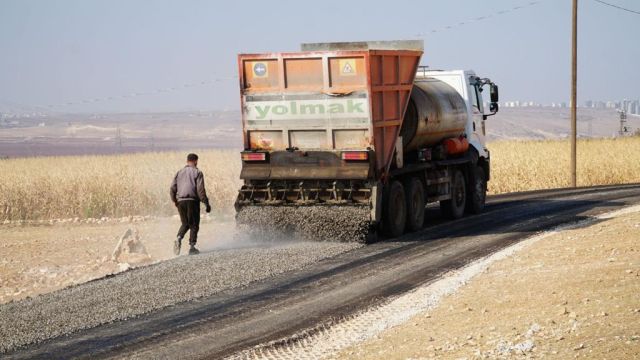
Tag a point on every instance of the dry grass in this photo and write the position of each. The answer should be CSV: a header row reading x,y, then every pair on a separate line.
x,y
532,165
138,184
112,186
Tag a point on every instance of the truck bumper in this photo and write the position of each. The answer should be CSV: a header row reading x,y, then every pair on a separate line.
x,y
307,165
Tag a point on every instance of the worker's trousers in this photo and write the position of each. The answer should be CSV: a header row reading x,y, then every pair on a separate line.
x,y
189,211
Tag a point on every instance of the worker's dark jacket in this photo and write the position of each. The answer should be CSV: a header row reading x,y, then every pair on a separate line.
x,y
188,184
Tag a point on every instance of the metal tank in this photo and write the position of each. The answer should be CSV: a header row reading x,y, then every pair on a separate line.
x,y
436,111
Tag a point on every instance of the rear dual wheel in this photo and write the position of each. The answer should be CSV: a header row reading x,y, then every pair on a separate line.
x,y
415,204
395,210
403,207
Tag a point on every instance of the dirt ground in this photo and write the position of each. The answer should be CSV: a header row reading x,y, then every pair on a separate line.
x,y
575,294
37,259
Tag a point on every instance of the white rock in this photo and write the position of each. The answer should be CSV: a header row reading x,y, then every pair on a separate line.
x,y
525,346
532,330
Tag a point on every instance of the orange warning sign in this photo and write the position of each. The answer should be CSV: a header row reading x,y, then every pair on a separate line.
x,y
347,67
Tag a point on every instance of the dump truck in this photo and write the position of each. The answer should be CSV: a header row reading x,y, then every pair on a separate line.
x,y
345,141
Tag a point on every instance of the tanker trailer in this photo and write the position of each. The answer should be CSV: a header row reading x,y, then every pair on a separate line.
x,y
346,140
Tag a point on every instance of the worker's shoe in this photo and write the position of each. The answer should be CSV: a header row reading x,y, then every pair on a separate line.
x,y
193,250
176,246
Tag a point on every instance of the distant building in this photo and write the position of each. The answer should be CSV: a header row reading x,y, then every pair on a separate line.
x,y
632,107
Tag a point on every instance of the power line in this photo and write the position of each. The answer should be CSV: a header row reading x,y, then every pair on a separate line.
x,y
481,18
138,94
216,80
617,7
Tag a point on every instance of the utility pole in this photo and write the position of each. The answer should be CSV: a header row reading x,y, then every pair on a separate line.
x,y
574,83
119,138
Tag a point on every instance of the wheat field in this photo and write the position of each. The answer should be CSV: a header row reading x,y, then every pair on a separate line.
x,y
532,165
108,186
138,184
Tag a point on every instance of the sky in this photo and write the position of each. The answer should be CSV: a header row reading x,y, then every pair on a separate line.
x,y
69,51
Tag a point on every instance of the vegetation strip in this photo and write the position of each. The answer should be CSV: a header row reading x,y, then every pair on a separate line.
x,y
118,186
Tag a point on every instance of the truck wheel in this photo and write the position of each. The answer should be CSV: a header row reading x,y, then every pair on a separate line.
x,y
454,208
477,191
395,210
415,204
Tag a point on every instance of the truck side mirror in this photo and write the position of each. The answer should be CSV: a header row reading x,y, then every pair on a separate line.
x,y
493,91
493,108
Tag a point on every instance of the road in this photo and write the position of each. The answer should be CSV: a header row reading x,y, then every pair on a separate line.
x,y
331,289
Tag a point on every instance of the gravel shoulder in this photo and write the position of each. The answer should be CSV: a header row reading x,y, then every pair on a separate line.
x,y
40,258
575,294
152,287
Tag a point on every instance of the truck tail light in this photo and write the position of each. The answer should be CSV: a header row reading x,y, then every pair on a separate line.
x,y
254,156
355,155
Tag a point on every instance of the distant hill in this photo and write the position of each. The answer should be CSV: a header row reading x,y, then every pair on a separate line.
x,y
71,134
39,133
553,123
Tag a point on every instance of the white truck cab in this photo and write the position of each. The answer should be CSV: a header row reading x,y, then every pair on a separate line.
x,y
470,87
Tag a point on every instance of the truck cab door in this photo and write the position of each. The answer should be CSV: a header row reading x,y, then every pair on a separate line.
x,y
477,116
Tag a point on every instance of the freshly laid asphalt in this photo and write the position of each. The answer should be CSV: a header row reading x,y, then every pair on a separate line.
x,y
149,288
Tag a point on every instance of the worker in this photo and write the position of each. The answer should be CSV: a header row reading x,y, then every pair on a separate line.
x,y
187,191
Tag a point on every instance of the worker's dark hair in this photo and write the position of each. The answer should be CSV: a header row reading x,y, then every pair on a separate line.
x,y
192,157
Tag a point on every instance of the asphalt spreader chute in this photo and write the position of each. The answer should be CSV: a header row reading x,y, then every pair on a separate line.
x,y
341,211
341,223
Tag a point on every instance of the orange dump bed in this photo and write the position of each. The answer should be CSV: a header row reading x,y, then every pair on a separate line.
x,y
329,97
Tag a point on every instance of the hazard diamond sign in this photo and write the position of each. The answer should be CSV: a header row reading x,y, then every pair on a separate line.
x,y
347,67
